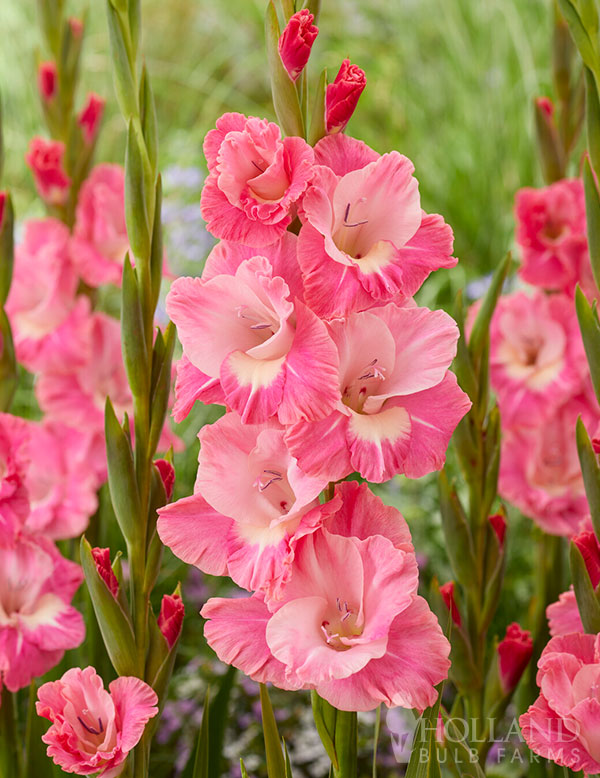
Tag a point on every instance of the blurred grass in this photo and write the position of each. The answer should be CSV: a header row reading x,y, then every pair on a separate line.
x,y
450,84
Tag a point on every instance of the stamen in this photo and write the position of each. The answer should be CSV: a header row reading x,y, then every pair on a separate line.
x,y
355,224
377,372
91,730
241,315
275,477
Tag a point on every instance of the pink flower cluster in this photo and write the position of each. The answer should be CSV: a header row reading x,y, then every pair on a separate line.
x,y
303,326
538,367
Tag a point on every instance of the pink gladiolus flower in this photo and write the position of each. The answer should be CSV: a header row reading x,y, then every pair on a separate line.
x,y
514,653
540,471
563,615
252,504
90,117
47,80
255,179
551,231
270,355
365,240
341,97
348,623
61,486
103,566
296,42
397,403
42,295
170,618
45,159
14,463
563,723
37,622
447,592
100,236
93,730
537,359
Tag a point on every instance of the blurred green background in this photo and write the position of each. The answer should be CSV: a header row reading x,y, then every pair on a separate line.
x,y
450,84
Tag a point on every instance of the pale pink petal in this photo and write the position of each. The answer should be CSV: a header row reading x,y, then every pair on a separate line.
x,y
363,514
226,221
195,533
311,371
415,662
379,442
235,630
228,122
563,615
343,154
433,415
320,446
192,384
253,387
135,704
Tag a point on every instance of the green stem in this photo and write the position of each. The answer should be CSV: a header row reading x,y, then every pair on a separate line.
x,y
376,740
346,744
11,756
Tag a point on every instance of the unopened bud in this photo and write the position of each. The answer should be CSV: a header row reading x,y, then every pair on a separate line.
x,y
342,96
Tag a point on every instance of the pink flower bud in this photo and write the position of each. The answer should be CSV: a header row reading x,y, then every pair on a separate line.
x,y
342,96
47,80
76,26
546,106
105,571
90,116
514,653
45,158
170,618
3,196
498,523
447,592
587,543
167,473
296,42
596,445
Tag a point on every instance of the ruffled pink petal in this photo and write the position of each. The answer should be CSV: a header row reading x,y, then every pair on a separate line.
x,y
545,733
379,443
226,221
343,154
332,289
135,704
563,615
226,257
362,513
320,446
416,660
311,371
192,384
195,533
228,122
235,630
433,415
429,249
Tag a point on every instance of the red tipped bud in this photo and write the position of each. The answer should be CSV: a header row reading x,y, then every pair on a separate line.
x,y
447,592
596,445
45,158
296,41
167,474
342,96
47,80
498,523
170,618
514,653
90,117
103,566
3,196
546,106
76,26
588,546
